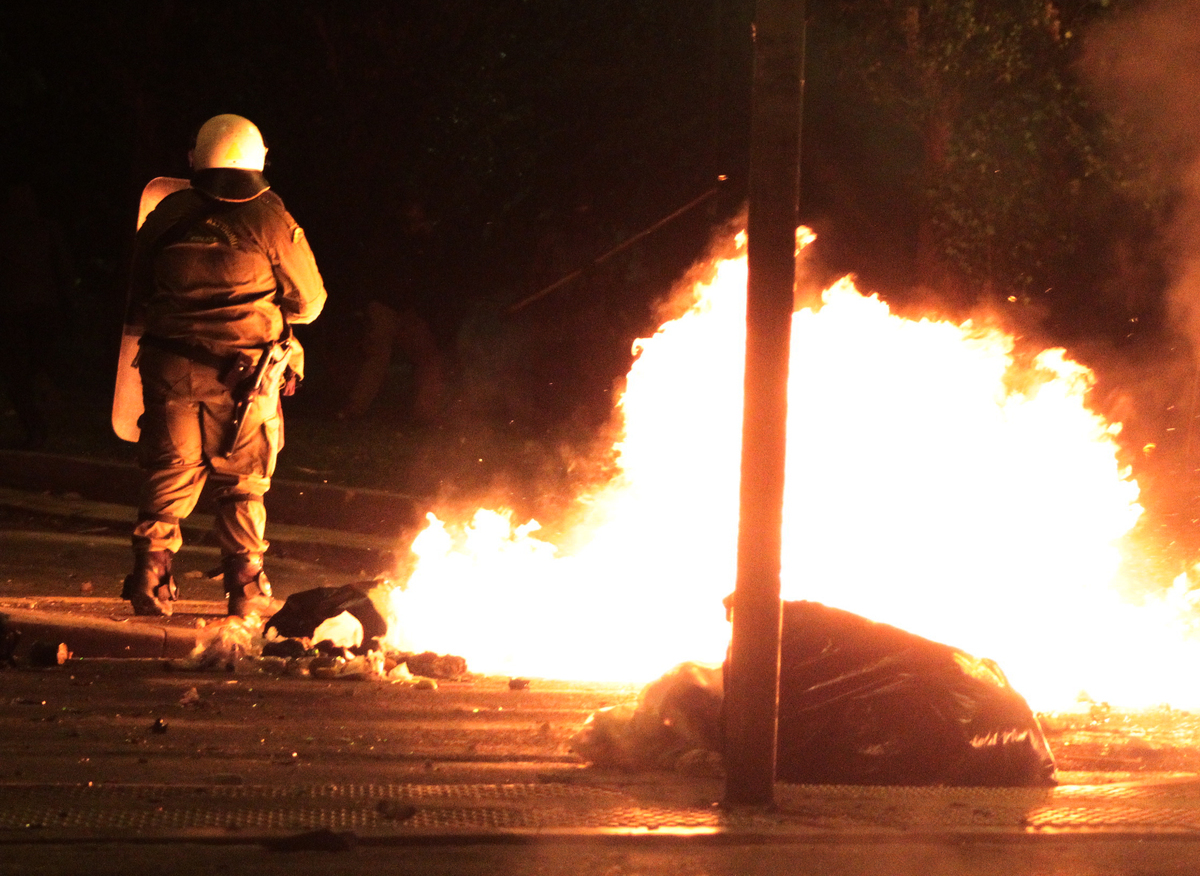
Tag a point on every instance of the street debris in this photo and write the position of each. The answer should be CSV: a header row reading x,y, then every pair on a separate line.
x,y
860,703
41,654
324,633
674,716
45,654
225,641
285,648
430,665
865,703
340,615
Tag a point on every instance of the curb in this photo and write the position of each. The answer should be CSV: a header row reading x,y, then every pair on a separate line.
x,y
97,637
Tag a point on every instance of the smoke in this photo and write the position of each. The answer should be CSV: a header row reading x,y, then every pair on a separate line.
x,y
1141,64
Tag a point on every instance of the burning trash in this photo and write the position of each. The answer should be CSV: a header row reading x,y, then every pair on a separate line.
x,y
346,616
325,633
931,466
860,703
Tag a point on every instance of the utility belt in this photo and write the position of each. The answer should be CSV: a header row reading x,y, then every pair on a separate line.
x,y
235,370
246,377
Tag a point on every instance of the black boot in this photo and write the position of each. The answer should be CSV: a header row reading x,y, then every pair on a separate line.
x,y
150,588
246,585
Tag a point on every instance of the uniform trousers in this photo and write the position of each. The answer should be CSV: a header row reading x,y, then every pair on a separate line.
x,y
187,421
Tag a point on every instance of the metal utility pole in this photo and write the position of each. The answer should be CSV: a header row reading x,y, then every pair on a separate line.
x,y
752,683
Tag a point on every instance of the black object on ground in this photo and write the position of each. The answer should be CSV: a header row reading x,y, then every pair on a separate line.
x,y
44,654
860,703
864,703
303,612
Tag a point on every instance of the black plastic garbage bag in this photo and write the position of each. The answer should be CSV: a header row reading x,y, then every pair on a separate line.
x,y
869,704
303,612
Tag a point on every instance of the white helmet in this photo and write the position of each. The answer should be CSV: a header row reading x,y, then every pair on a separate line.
x,y
229,141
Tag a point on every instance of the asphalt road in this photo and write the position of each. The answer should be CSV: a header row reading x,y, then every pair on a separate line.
x,y
136,766
140,721
129,766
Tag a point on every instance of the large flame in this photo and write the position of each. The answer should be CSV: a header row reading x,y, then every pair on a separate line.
x,y
933,483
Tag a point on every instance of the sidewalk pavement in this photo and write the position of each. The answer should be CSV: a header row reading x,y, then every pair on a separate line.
x,y
321,535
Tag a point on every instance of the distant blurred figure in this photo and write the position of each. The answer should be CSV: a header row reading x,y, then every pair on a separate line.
x,y
398,276
35,283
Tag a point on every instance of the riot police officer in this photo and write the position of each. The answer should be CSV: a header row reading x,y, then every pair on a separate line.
x,y
220,272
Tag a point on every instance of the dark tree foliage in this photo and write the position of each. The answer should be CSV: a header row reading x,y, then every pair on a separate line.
x,y
1014,177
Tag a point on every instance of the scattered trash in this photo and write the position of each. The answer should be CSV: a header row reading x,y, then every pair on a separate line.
x,y
159,726
400,672
287,648
425,684
341,631
270,665
86,588
306,612
224,642
431,665
190,697
868,704
518,684
326,648
326,667
324,633
677,714
44,654
860,703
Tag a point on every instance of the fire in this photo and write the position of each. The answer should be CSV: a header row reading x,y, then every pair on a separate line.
x,y
934,482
